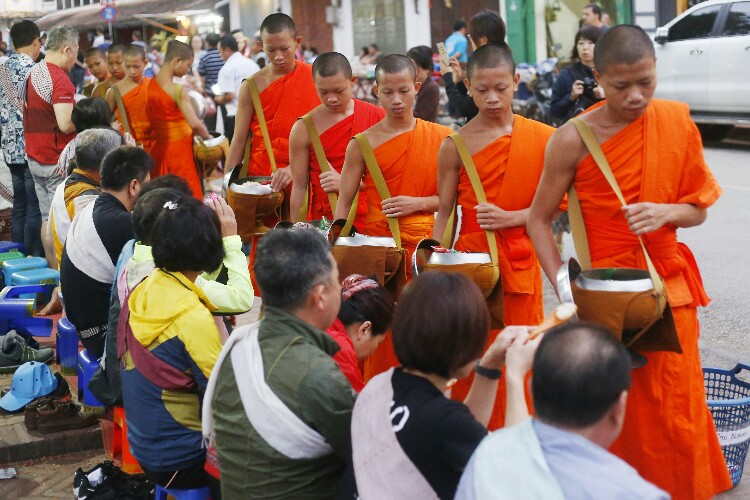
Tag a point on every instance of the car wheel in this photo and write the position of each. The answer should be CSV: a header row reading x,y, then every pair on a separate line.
x,y
714,133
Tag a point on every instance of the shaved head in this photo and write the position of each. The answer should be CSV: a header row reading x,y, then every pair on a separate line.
x,y
393,64
624,44
115,49
134,51
276,23
178,50
491,56
331,64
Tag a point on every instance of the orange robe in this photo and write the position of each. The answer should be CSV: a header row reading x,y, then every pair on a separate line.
x,y
510,169
335,140
173,139
284,101
669,434
409,165
136,107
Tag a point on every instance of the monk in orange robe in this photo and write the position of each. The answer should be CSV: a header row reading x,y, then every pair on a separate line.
x,y
508,153
173,119
336,120
286,91
655,153
133,90
406,151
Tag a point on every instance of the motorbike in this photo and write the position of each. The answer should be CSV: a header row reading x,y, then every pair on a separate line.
x,y
534,97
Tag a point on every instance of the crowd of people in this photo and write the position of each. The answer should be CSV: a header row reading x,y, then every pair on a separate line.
x,y
347,387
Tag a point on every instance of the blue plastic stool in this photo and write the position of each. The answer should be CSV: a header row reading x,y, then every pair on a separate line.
x,y
194,494
16,265
86,369
7,246
66,347
37,277
17,313
10,255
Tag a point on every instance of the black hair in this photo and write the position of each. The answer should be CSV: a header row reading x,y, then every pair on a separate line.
x,y
122,165
96,51
278,22
169,181
580,371
330,64
372,304
178,50
228,42
595,9
459,25
149,207
23,34
587,32
134,51
289,263
212,39
92,112
491,56
488,24
441,323
115,49
623,44
393,64
198,248
422,57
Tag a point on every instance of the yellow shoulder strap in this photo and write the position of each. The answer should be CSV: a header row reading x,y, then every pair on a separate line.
x,y
476,184
380,184
178,95
589,139
121,109
258,108
320,155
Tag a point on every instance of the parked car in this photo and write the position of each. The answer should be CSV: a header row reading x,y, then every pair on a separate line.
x,y
703,59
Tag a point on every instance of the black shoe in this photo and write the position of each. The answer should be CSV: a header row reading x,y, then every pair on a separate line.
x,y
14,352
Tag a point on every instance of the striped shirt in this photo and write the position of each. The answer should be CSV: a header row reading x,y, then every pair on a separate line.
x,y
209,67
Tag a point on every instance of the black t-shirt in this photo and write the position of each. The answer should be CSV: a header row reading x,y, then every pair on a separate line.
x,y
438,435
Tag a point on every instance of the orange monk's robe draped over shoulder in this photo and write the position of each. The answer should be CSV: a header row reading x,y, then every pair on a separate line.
x,y
409,166
173,139
669,434
283,101
136,107
335,140
510,169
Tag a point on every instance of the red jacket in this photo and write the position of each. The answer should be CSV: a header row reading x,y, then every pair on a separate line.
x,y
346,358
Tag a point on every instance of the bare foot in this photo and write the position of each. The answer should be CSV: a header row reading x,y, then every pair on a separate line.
x,y
54,306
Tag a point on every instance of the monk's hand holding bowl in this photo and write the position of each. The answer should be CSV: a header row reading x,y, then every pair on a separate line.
x,y
281,179
491,217
329,181
495,356
647,217
400,206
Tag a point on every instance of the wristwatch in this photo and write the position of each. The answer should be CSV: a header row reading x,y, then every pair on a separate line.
x,y
490,373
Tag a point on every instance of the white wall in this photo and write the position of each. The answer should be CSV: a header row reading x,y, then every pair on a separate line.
x,y
343,33
418,30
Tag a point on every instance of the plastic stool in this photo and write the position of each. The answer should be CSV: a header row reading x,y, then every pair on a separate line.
x,y
8,246
86,369
37,277
66,347
194,494
16,265
12,255
17,313
120,445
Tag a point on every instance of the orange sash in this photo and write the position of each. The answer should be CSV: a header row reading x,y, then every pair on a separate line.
x,y
136,107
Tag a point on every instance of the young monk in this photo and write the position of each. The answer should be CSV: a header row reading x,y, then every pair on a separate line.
x,y
406,151
96,60
133,93
286,91
655,153
116,67
173,119
508,152
336,120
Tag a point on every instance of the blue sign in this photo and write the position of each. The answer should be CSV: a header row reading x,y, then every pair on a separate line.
x,y
109,13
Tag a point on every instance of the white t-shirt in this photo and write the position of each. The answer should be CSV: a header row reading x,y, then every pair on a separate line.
x,y
235,69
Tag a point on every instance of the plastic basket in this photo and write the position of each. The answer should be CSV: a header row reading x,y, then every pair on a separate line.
x,y
729,401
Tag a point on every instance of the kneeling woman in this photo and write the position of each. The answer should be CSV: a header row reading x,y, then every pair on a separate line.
x,y
168,344
408,439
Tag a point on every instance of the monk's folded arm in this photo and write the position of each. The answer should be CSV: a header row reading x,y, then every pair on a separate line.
x,y
242,121
299,164
449,165
351,176
564,151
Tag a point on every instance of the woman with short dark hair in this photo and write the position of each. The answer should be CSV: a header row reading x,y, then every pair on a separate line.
x,y
168,344
575,89
408,438
428,98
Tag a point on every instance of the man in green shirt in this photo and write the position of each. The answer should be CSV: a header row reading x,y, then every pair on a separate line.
x,y
279,405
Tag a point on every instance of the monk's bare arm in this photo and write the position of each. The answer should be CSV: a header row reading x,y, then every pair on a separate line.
x,y
242,121
186,106
646,217
401,206
560,160
299,164
110,97
351,175
449,167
